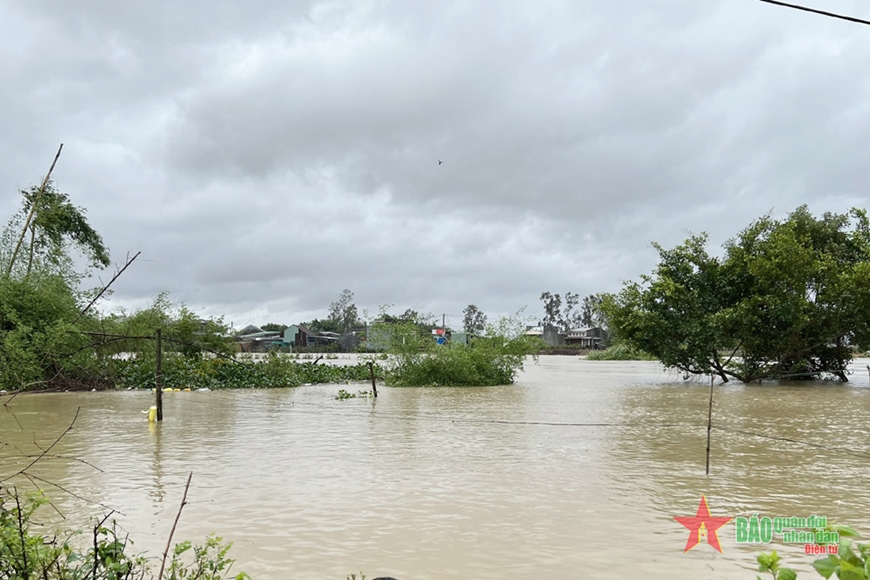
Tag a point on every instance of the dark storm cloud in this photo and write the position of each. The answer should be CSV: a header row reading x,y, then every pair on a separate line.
x,y
266,155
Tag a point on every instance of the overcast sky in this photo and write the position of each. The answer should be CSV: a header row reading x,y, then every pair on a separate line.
x,y
265,155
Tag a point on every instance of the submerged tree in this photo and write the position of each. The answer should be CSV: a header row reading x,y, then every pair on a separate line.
x,y
788,300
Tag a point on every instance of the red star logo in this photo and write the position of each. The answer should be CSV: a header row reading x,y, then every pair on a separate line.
x,y
703,525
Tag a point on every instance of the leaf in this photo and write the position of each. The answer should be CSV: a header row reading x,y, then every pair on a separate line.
x,y
845,531
849,572
786,574
826,566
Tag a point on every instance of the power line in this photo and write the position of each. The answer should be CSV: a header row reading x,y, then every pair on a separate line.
x,y
814,11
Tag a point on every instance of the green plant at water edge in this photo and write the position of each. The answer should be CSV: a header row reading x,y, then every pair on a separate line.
x,y
210,561
26,554
619,351
851,562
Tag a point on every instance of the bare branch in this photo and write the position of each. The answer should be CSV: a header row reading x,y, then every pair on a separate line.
x,y
172,532
106,287
44,453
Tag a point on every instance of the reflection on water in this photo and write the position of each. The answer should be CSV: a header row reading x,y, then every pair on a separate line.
x,y
576,471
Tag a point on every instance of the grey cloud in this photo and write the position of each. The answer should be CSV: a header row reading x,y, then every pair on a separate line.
x,y
266,155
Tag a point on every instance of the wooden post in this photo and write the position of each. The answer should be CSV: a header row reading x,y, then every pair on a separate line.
x,y
158,375
709,424
372,372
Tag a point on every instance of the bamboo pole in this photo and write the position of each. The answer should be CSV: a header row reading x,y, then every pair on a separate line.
x,y
32,212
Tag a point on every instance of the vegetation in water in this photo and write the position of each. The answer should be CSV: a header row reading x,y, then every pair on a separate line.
x,y
344,395
789,298
275,370
492,359
619,351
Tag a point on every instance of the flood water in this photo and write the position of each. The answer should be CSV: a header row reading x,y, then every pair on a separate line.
x,y
576,471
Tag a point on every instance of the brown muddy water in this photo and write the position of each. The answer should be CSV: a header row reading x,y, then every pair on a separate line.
x,y
574,472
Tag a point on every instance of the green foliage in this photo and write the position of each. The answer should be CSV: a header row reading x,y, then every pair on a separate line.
x,y
770,563
343,312
274,327
39,297
494,359
473,320
35,317
561,315
209,562
274,371
619,351
851,562
26,553
592,312
183,331
787,300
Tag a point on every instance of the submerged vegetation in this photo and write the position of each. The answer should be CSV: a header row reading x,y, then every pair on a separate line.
x,y
789,298
489,360
619,351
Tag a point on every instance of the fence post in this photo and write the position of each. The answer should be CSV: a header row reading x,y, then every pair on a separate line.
x,y
709,424
158,375
372,372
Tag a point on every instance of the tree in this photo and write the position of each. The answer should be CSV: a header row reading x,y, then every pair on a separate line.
x,y
552,308
473,321
40,299
55,225
565,317
787,300
591,313
274,327
343,311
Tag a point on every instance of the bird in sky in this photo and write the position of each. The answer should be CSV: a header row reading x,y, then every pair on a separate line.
x,y
440,162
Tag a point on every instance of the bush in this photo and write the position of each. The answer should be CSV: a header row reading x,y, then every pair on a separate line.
x,y
491,360
28,554
620,351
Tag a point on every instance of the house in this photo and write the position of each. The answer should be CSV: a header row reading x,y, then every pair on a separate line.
x,y
254,339
300,335
590,338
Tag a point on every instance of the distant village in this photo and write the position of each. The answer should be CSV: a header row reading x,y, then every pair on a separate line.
x,y
300,338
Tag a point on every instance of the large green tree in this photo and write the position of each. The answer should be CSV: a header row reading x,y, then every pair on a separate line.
x,y
787,299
